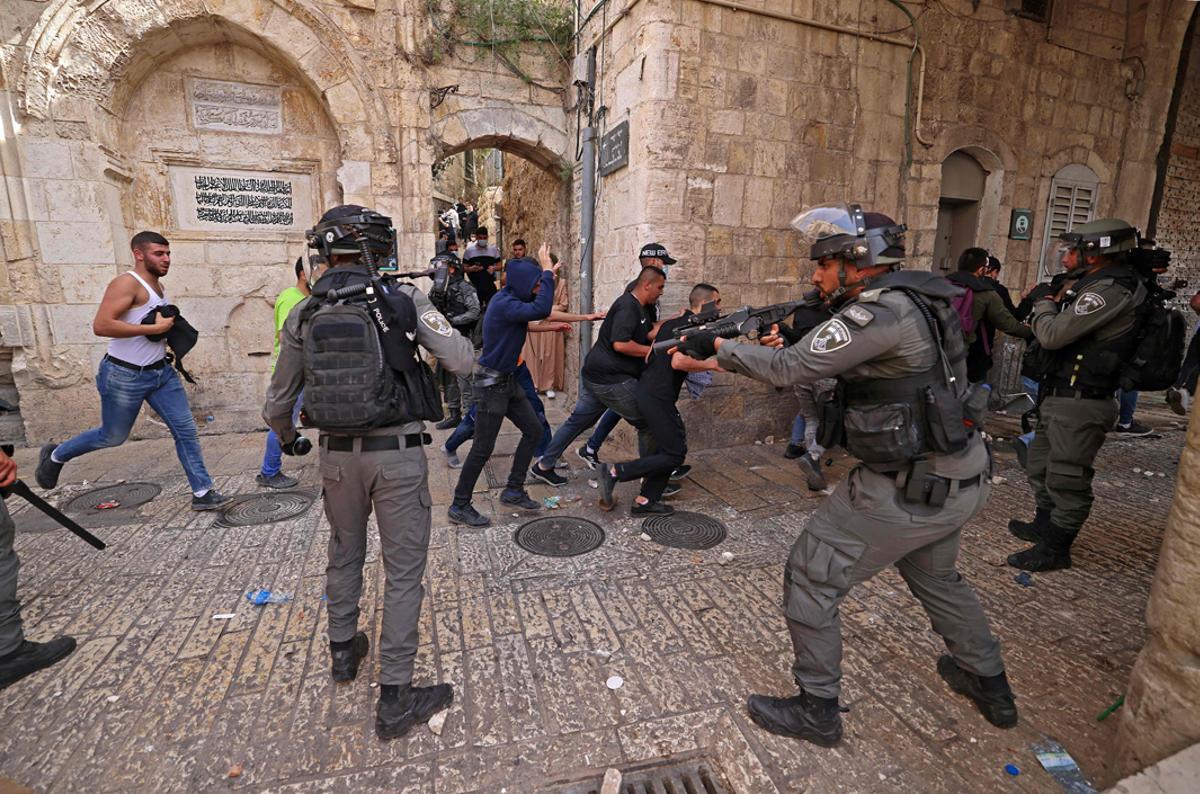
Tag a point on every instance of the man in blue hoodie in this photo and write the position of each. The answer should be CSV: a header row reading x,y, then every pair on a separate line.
x,y
528,295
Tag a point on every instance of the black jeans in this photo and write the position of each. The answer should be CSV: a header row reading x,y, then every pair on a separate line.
x,y
670,447
493,403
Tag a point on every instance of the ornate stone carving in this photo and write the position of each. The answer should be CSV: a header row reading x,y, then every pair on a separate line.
x,y
237,107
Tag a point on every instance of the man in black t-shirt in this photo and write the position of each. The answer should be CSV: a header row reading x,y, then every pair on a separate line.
x,y
611,371
657,392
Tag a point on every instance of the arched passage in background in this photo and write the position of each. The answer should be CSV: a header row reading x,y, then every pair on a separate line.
x,y
964,183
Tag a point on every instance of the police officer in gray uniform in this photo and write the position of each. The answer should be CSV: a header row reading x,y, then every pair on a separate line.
x,y
371,444
1084,335
906,503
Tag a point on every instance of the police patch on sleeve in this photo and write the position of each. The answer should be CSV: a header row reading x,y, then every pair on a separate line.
x,y
1089,302
833,335
858,315
437,323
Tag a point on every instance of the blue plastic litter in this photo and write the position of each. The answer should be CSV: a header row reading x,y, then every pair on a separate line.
x,y
1023,579
1012,769
261,596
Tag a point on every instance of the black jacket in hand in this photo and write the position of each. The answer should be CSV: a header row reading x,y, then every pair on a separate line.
x,y
181,338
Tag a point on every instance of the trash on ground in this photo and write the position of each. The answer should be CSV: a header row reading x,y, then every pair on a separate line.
x,y
644,536
615,682
1108,712
1055,759
769,440
612,782
569,498
108,504
1137,471
1012,769
374,684
726,557
593,484
113,698
603,654
1148,473
235,770
551,502
263,596
438,721
224,616
1023,579
998,480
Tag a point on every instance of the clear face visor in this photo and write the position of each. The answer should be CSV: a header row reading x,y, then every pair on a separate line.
x,y
830,220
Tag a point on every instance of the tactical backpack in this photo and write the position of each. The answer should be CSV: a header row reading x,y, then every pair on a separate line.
x,y
1158,358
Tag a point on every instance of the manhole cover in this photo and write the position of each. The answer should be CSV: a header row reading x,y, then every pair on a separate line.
x,y
693,776
126,495
559,537
266,508
684,530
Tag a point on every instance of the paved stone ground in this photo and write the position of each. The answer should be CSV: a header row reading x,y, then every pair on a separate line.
x,y
160,696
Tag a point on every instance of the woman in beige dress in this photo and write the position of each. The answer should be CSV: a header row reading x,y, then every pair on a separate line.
x,y
545,353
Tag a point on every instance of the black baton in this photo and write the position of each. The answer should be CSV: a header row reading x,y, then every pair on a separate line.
x,y
22,490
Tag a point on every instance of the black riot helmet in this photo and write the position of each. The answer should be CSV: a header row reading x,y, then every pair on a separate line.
x,y
441,265
846,233
340,230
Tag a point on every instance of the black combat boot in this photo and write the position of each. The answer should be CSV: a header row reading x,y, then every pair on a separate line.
x,y
991,694
802,716
402,707
29,657
346,659
1050,553
1030,531
450,421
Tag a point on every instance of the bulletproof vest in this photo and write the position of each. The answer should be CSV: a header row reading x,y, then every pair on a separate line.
x,y
356,377
1090,363
455,305
889,423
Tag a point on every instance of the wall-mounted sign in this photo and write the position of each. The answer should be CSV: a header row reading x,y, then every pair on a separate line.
x,y
614,149
212,199
236,107
1020,227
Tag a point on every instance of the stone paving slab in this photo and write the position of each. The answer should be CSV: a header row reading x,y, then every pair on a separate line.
x,y
161,696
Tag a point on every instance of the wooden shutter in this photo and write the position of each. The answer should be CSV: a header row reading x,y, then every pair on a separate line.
x,y
1072,202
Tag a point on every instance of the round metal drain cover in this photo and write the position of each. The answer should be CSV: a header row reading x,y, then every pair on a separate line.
x,y
684,530
559,537
266,508
126,495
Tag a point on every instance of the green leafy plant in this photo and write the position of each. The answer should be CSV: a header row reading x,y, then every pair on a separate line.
x,y
505,26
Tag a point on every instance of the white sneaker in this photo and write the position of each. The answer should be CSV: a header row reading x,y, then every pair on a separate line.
x,y
451,458
551,394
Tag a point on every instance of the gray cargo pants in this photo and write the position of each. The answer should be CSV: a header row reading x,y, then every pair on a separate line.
x,y
11,634
1069,435
393,482
862,528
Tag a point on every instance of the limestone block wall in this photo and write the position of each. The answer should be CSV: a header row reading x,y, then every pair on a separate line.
x,y
1178,227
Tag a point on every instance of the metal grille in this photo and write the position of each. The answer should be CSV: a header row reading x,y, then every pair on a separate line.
x,y
684,530
695,776
266,508
559,536
127,495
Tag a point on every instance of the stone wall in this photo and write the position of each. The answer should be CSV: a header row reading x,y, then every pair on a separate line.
x,y
1178,228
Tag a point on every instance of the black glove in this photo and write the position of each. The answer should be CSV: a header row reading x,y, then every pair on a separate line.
x,y
297,446
699,345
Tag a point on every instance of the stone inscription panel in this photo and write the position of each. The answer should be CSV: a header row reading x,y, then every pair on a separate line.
x,y
236,107
214,199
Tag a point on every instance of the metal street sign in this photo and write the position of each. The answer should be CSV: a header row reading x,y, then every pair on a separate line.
x,y
1021,225
614,149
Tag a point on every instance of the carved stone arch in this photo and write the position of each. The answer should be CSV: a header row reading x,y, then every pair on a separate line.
x,y
99,51
996,158
505,128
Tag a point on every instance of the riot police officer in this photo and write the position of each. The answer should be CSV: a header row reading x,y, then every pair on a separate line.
x,y
367,390
1084,335
897,350
454,297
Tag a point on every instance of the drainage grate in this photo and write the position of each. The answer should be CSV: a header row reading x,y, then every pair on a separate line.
x,y
559,537
684,530
127,495
694,776
266,508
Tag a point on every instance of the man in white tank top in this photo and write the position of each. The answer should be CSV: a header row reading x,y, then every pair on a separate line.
x,y
136,371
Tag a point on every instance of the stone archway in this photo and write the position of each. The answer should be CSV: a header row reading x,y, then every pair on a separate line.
x,y
504,128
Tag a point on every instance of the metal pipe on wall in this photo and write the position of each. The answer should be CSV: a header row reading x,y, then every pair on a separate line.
x,y
587,210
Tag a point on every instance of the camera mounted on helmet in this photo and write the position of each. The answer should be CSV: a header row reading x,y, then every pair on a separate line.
x,y
342,230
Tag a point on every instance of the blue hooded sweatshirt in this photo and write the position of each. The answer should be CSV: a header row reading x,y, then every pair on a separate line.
x,y
506,321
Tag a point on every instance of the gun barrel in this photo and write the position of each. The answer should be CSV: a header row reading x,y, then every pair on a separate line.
x,y
22,490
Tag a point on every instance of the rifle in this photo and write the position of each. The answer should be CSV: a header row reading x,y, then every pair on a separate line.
x,y
746,321
22,490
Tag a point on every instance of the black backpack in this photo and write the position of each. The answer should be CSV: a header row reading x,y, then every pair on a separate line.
x,y
1158,358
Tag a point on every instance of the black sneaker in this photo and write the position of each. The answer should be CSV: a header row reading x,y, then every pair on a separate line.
x,y
811,467
587,456
213,500
1022,450
793,451
345,663
1175,401
519,499
395,717
548,476
992,695
278,480
29,657
1133,429
671,490
651,509
47,470
467,515
681,472
607,483
450,421
802,716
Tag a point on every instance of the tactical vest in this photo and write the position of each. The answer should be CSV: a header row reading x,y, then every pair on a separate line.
x,y
890,423
1090,364
451,303
356,377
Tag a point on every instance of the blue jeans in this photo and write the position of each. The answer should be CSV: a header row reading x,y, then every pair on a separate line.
x,y
273,455
798,428
466,428
122,392
1129,401
588,409
608,422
